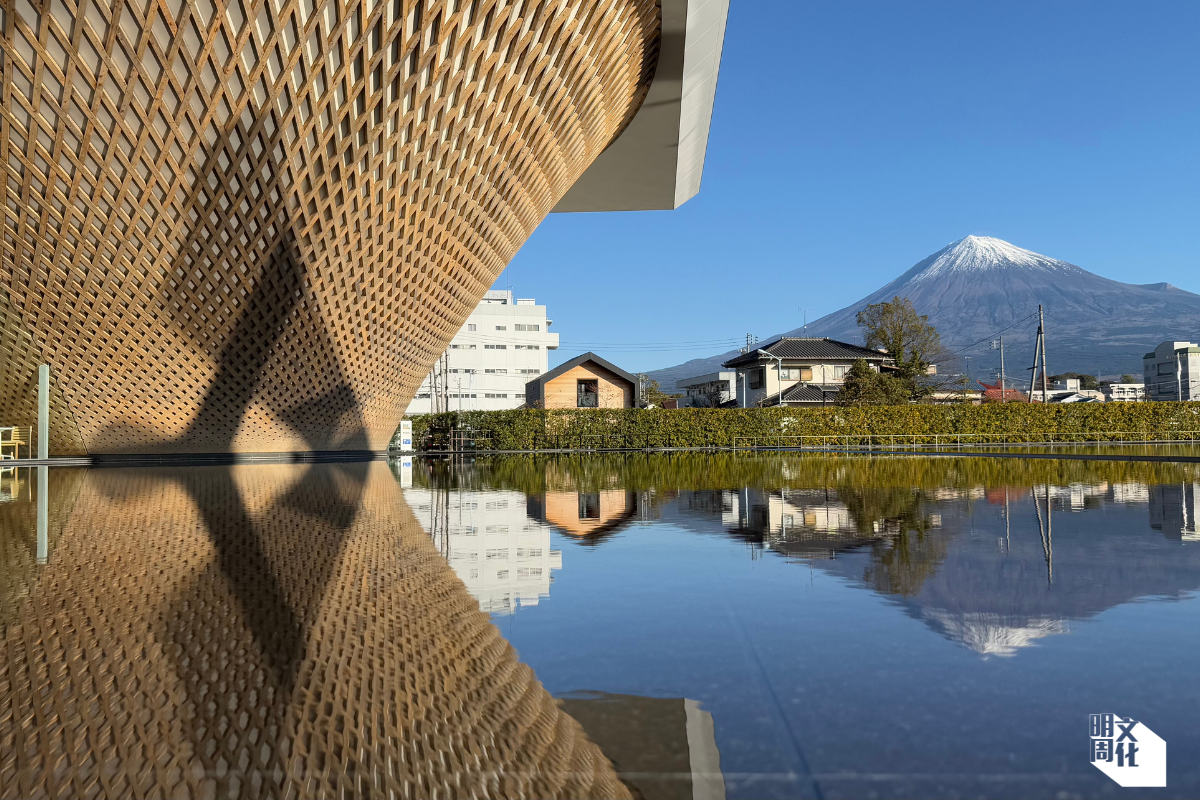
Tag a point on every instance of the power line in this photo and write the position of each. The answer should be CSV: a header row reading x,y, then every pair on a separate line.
x,y
987,338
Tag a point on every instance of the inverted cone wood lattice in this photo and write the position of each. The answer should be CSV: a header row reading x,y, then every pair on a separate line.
x,y
253,226
264,631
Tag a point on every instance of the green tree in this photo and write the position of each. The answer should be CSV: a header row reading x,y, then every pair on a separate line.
x,y
653,395
864,386
907,336
1128,379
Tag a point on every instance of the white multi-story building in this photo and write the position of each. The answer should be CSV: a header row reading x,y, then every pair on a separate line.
x,y
1125,392
1172,371
500,553
502,345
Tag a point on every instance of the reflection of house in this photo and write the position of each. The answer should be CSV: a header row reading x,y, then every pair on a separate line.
x,y
809,372
796,522
586,381
590,515
1130,493
1173,510
664,747
502,556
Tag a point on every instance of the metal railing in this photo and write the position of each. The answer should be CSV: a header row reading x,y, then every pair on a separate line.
x,y
939,441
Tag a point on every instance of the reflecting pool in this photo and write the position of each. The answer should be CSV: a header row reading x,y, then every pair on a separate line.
x,y
691,626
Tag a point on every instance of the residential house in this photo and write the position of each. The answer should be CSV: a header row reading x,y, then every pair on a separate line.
x,y
1124,392
586,381
1172,372
708,391
795,371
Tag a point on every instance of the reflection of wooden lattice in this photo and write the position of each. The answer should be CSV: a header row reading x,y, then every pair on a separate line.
x,y
269,631
18,529
253,225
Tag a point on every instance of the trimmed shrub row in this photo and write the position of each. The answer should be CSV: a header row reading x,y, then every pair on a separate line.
x,y
538,429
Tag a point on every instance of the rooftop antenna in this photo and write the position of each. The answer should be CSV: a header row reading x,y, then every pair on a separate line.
x,y
805,312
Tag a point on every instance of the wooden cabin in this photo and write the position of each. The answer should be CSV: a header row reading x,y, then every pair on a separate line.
x,y
586,381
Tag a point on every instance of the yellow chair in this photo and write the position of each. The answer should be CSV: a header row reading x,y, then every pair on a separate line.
x,y
12,439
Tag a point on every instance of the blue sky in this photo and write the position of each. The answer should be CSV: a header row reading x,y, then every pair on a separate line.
x,y
852,139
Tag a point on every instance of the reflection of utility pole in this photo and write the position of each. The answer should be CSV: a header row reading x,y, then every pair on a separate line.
x,y
1044,532
1007,540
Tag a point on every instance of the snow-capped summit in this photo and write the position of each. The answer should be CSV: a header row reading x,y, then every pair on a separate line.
x,y
979,287
979,253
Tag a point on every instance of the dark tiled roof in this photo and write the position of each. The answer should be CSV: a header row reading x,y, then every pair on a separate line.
x,y
809,350
808,393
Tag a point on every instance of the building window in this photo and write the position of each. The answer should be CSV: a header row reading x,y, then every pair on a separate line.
x,y
501,327
527,347
589,505
1166,369
519,396
530,371
839,372
493,347
756,378
496,396
587,394
470,326
527,327
796,373
495,372
467,346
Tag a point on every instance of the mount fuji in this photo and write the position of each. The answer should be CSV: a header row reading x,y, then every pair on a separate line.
x,y
978,285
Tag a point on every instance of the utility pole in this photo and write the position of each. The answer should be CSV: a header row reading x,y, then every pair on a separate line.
x,y
1042,336
751,340
999,345
1039,352
1179,376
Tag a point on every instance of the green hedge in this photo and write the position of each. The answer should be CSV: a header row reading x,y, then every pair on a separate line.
x,y
536,429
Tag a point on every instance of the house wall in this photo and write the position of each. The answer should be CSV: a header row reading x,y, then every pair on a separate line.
x,y
822,373
562,510
560,392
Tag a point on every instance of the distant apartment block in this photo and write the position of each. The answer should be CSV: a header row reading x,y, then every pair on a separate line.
x,y
1172,372
1125,392
708,391
503,345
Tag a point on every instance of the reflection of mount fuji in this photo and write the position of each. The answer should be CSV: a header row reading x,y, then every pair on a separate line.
x,y
950,560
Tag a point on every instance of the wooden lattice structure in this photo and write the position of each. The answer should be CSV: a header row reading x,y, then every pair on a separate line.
x,y
253,225
266,632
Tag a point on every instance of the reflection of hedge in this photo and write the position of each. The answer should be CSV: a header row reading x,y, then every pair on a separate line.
x,y
666,472
535,429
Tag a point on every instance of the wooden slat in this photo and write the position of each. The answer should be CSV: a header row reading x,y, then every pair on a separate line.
x,y
253,225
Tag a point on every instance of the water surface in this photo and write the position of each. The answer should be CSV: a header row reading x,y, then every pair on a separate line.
x,y
782,625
